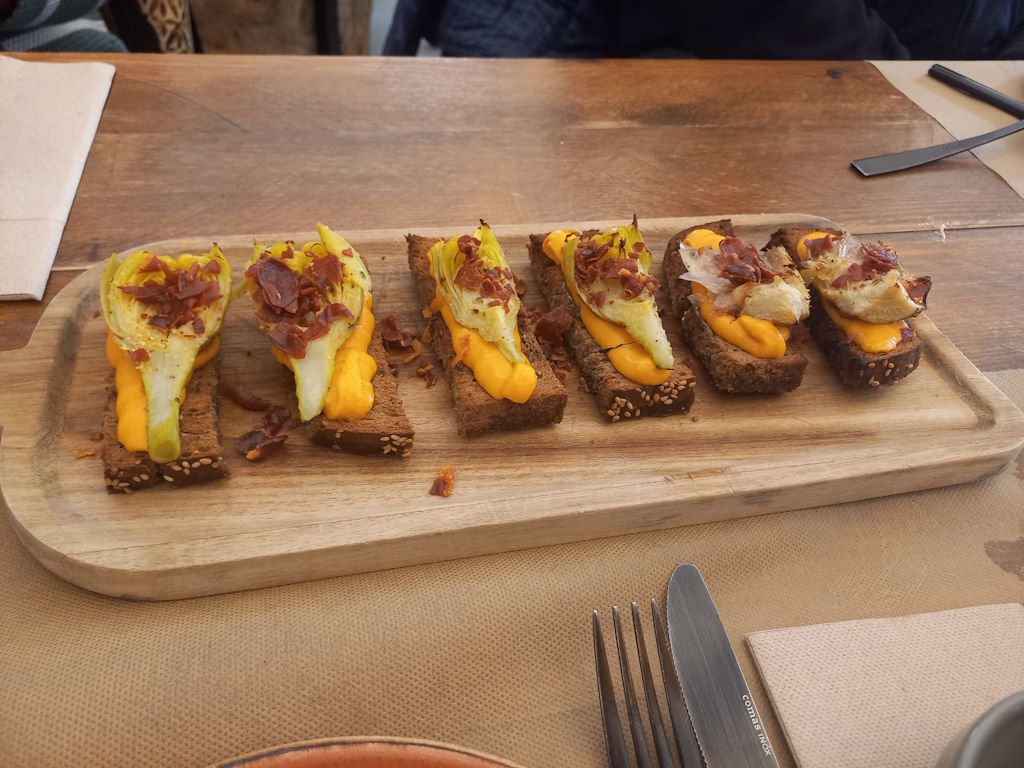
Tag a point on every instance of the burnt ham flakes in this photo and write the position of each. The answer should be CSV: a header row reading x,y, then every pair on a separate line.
x,y
297,303
174,301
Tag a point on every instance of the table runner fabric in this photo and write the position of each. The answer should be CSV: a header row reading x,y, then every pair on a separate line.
x,y
51,112
963,115
491,652
889,693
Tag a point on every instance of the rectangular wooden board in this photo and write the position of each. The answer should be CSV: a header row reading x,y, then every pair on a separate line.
x,y
309,513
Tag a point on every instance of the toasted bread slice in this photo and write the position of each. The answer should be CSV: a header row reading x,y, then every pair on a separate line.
x,y
475,410
856,368
617,397
731,368
385,429
201,459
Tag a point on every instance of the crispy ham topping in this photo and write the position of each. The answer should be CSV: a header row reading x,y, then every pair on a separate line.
x,y
257,444
819,245
742,263
595,262
243,397
394,336
918,288
497,285
176,299
870,261
444,482
294,301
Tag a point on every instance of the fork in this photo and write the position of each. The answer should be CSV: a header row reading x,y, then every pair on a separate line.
x,y
682,727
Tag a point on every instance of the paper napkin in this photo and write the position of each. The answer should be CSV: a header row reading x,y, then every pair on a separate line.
x,y
963,115
889,692
50,114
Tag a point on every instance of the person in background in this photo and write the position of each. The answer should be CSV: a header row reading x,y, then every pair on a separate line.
x,y
741,29
55,25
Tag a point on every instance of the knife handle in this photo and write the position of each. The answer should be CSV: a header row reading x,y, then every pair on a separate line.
x,y
973,88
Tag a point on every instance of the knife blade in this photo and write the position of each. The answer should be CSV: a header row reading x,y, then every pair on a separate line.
x,y
728,727
911,158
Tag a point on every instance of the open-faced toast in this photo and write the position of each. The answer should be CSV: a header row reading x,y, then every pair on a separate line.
x,y
617,396
315,303
200,459
477,411
163,317
886,363
731,368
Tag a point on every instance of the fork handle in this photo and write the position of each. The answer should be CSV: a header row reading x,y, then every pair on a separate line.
x,y
973,88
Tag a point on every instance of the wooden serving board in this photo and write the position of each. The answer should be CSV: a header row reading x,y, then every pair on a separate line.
x,y
308,513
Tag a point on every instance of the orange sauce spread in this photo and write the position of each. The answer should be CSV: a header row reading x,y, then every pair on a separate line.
x,y
754,335
871,337
629,357
351,392
500,378
132,411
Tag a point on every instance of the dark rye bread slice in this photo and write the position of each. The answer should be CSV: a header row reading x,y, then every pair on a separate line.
x,y
731,368
385,429
475,410
617,397
856,368
200,461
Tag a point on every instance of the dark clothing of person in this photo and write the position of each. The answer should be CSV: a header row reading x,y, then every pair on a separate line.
x,y
754,29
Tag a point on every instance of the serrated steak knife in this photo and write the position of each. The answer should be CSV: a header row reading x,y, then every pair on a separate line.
x,y
728,727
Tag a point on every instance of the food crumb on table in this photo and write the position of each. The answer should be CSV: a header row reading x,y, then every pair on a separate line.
x,y
444,482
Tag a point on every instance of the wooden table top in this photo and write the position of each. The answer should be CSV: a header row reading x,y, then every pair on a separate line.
x,y
202,145
233,145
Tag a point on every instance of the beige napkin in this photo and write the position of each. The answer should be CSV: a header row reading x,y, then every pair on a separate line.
x,y
50,114
889,692
964,116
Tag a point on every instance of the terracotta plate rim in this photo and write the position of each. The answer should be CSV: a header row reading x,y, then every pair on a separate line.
x,y
240,761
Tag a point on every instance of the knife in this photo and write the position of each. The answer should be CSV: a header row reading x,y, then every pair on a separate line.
x,y
911,158
728,727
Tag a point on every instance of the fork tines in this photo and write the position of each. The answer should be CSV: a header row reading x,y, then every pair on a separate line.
x,y
686,741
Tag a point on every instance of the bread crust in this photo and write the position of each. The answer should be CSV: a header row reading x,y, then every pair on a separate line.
x,y
201,459
476,412
731,368
856,368
617,397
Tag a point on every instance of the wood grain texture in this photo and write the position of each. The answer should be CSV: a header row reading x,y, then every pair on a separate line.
x,y
309,513
238,144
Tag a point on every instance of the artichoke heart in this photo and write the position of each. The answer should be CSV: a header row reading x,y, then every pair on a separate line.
x,y
473,275
610,273
161,311
867,281
308,299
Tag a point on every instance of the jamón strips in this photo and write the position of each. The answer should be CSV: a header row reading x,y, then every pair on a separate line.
x,y
856,368
617,396
385,429
201,460
475,410
731,368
